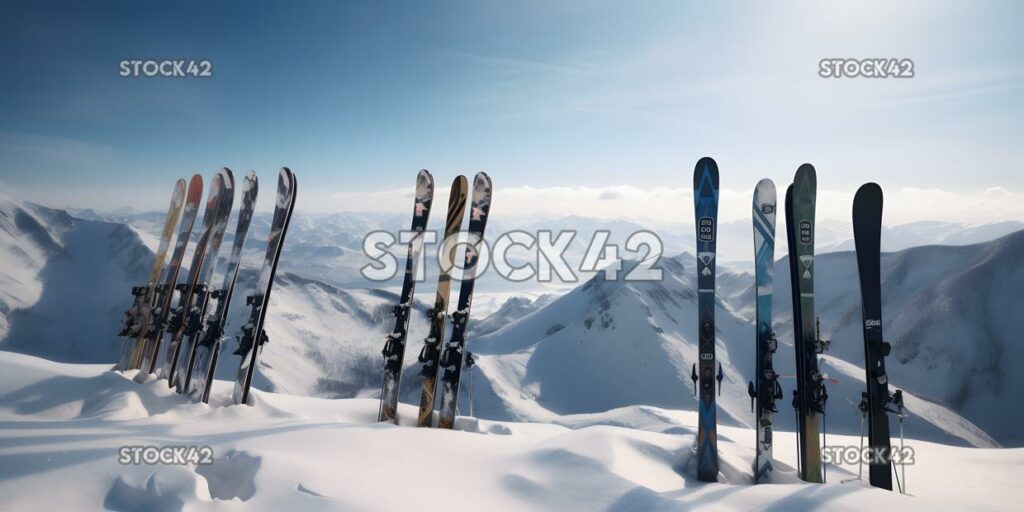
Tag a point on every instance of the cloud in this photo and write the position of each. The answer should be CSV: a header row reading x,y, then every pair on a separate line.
x,y
902,205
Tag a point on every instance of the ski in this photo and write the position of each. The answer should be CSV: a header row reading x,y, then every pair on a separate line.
x,y
454,356
705,202
144,352
431,352
221,189
144,295
810,396
180,364
253,337
394,344
867,234
199,373
765,389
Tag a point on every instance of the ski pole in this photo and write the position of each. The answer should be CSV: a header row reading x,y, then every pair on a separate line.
x,y
470,363
824,443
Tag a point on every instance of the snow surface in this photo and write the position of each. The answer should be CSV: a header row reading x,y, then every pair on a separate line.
x,y
61,427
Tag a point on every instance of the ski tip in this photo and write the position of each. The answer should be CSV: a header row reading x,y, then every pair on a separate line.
x,y
286,175
705,170
195,188
867,195
228,177
482,178
460,186
765,191
251,182
806,172
287,185
425,176
706,162
870,189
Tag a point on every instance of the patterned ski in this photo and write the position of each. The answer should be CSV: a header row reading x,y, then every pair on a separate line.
x,y
454,357
867,237
145,295
209,339
192,323
394,344
765,389
705,201
222,188
810,395
154,324
253,336
431,352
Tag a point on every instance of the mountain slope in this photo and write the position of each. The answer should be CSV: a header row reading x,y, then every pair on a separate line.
x,y
65,282
611,343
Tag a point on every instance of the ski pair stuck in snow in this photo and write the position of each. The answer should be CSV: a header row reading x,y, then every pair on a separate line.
x,y
876,402
154,321
206,340
705,202
430,354
434,356
810,396
253,336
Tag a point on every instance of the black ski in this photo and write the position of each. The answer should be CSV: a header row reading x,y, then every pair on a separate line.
x,y
208,340
253,337
454,356
194,288
431,352
394,345
705,202
867,234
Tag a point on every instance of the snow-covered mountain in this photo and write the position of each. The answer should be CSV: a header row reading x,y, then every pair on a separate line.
x,y
329,246
63,281
612,343
605,344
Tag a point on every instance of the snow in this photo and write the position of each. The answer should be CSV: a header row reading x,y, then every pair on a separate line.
x,y
62,425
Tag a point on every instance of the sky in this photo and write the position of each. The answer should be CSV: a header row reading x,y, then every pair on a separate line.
x,y
594,108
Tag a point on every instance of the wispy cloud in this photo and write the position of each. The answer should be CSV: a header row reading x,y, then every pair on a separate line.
x,y
902,205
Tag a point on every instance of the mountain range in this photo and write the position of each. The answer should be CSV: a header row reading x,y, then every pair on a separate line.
x,y
603,344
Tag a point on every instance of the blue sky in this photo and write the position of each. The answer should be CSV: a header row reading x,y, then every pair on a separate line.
x,y
599,108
